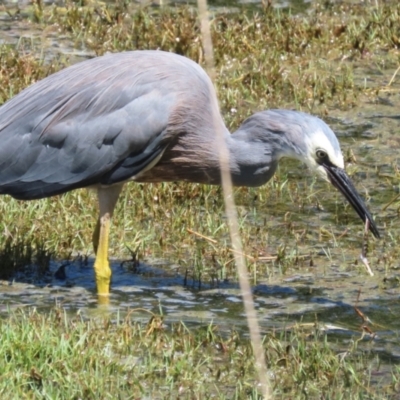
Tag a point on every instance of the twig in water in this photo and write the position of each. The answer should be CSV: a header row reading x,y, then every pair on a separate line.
x,y
364,250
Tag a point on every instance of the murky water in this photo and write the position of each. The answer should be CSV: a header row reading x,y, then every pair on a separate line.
x,y
329,297
329,291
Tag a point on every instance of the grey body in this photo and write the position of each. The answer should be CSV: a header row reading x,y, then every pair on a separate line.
x,y
105,120
147,116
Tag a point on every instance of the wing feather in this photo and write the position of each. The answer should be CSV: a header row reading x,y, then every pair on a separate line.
x,y
97,122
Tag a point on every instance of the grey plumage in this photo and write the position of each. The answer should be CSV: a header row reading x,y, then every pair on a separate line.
x,y
100,121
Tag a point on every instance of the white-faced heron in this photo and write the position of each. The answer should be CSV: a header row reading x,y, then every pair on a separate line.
x,y
146,116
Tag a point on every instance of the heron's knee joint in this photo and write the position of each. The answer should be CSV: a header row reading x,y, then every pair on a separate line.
x,y
105,219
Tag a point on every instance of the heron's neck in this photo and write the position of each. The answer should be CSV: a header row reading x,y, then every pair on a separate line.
x,y
194,157
254,155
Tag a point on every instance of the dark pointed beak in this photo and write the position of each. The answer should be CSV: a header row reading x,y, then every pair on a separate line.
x,y
342,182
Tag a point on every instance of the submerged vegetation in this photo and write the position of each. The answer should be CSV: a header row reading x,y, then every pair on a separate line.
x,y
335,60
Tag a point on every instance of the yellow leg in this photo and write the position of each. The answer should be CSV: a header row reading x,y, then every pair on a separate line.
x,y
101,265
108,197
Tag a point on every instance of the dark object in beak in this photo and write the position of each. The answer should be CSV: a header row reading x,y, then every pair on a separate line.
x,y
342,182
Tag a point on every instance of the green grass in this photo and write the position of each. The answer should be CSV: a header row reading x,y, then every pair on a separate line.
x,y
55,356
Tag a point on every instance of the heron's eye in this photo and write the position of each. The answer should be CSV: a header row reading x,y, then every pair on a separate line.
x,y
321,154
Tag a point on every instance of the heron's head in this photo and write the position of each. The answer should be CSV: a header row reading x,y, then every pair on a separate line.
x,y
312,141
321,148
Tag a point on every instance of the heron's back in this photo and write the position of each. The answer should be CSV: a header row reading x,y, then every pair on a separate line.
x,y
101,121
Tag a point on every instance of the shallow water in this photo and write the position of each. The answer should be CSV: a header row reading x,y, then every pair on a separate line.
x,y
328,297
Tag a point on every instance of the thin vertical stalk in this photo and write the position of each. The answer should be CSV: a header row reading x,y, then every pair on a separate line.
x,y
233,224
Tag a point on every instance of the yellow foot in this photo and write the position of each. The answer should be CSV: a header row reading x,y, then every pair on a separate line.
x,y
103,278
103,299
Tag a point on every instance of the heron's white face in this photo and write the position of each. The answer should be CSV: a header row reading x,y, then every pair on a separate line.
x,y
321,149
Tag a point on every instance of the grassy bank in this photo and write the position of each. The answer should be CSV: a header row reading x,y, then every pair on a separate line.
x,y
53,356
